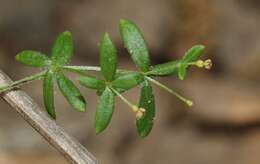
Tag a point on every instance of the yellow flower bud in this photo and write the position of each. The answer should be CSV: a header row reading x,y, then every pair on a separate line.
x,y
200,63
135,108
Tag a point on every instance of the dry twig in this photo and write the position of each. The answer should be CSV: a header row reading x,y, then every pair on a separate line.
x,y
70,148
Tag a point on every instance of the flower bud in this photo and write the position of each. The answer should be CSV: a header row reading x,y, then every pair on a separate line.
x,y
142,110
140,113
200,63
135,108
208,64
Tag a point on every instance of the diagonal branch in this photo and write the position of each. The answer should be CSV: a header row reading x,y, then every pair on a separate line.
x,y
70,148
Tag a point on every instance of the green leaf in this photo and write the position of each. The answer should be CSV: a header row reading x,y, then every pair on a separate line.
x,y
194,53
62,50
105,110
108,58
135,44
92,82
71,93
169,68
48,94
127,81
145,124
33,58
182,71
119,73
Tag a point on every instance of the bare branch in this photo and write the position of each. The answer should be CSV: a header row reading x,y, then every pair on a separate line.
x,y
70,148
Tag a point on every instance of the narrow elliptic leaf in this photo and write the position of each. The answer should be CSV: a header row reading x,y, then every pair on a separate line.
x,y
194,53
182,71
118,74
92,82
71,93
127,81
62,50
105,110
169,68
135,44
48,93
145,124
108,58
33,58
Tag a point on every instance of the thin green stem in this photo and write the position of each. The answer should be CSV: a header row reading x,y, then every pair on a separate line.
x,y
123,98
79,72
192,63
188,102
23,81
83,68
90,68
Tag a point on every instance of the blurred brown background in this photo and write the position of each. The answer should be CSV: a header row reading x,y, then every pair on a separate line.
x,y
222,127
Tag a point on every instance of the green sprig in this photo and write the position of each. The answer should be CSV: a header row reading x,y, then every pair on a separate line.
x,y
114,82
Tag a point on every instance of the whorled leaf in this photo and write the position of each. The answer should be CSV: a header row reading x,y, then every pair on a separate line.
x,y
62,50
108,58
48,93
194,53
118,74
135,44
105,110
169,68
147,101
127,81
182,71
92,82
71,93
33,58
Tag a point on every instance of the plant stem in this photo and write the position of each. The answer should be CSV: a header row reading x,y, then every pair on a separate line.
x,y
188,102
132,106
23,81
83,68
90,68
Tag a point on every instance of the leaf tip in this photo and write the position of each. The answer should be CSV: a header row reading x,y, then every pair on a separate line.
x,y
82,109
17,57
82,104
200,46
98,130
68,33
181,76
143,135
122,21
52,114
54,117
106,35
